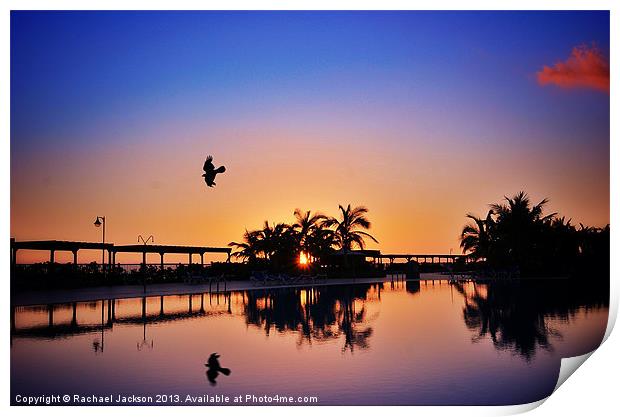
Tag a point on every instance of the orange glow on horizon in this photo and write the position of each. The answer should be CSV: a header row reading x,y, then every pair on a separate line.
x,y
174,205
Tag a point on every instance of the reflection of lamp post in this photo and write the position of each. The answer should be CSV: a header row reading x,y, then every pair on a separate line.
x,y
98,222
98,345
144,343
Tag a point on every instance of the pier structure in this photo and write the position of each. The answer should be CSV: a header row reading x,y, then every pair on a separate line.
x,y
162,250
54,246
421,258
74,247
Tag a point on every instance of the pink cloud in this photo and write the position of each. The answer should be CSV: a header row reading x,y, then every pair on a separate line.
x,y
586,67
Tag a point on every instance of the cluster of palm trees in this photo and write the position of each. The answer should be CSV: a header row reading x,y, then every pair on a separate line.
x,y
517,233
314,235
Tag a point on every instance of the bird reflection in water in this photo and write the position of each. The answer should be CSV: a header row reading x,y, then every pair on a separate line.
x,y
215,369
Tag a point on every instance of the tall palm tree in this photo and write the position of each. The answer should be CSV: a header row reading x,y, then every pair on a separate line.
x,y
305,224
249,249
519,209
520,226
320,242
278,243
271,238
346,229
476,236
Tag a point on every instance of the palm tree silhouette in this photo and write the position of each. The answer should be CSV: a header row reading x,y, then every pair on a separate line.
x,y
346,228
279,245
249,249
306,224
321,241
514,233
476,236
518,234
519,210
272,238
519,226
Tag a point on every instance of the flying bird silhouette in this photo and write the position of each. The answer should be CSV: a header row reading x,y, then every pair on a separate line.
x,y
214,368
210,171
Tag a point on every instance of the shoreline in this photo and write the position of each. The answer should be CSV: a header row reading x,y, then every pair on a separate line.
x,y
60,296
42,297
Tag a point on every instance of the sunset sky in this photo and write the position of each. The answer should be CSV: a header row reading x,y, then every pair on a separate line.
x,y
420,116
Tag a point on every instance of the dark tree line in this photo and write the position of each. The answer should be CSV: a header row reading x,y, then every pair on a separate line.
x,y
516,233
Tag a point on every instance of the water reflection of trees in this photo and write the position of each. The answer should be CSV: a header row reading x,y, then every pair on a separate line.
x,y
317,314
517,316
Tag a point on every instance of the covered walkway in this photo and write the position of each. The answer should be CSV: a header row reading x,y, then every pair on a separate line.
x,y
164,249
54,246
417,257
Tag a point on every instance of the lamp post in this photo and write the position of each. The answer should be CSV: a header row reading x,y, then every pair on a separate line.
x,y
98,222
150,238
145,242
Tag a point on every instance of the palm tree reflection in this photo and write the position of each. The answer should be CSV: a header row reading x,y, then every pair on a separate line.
x,y
518,316
317,314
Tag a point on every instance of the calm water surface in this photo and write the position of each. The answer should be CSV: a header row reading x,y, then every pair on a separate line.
x,y
391,343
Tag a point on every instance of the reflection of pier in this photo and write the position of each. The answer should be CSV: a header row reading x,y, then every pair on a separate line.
x,y
196,307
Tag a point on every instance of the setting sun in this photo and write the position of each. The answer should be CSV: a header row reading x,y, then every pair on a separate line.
x,y
303,259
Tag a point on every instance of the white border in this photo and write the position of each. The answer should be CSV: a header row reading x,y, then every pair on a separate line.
x,y
593,391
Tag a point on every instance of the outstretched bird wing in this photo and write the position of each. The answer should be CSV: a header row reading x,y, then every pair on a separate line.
x,y
208,166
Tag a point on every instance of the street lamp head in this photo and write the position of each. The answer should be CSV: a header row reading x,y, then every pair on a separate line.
x,y
97,222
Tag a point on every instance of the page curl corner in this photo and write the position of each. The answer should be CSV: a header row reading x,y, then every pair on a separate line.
x,y
568,366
